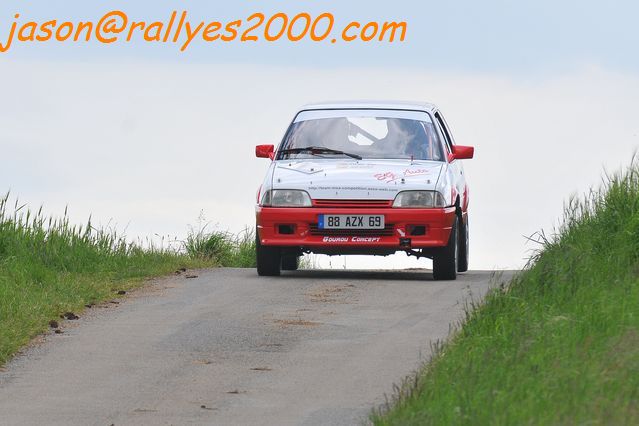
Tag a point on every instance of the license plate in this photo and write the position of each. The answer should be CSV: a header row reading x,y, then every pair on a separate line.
x,y
350,221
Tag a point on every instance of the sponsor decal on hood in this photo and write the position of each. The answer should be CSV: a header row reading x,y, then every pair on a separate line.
x,y
365,179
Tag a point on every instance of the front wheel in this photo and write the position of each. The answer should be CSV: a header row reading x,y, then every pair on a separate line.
x,y
290,263
445,260
269,259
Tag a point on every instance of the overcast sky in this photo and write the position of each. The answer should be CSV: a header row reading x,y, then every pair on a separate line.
x,y
144,137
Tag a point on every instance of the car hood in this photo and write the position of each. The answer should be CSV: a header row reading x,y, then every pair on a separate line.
x,y
351,180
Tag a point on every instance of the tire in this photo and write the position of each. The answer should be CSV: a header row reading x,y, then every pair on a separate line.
x,y
445,260
290,263
462,262
269,259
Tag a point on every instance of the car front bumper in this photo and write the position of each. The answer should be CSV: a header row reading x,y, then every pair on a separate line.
x,y
297,227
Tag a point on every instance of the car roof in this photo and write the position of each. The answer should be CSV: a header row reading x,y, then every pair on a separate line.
x,y
399,105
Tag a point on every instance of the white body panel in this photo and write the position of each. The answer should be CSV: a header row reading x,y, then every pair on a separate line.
x,y
354,179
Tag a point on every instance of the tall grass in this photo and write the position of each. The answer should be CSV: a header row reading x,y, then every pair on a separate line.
x,y
222,247
49,266
560,344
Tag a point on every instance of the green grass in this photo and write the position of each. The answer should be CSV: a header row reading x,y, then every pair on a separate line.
x,y
49,266
223,248
560,344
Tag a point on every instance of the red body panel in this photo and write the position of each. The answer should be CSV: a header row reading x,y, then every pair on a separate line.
x,y
437,222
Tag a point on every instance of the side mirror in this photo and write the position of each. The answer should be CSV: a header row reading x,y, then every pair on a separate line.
x,y
462,152
265,151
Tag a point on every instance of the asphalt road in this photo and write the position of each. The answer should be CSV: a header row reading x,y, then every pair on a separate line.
x,y
227,347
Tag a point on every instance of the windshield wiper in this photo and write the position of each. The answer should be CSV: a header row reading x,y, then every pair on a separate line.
x,y
315,150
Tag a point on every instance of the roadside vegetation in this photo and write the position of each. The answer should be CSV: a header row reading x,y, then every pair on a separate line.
x,y
560,344
222,247
51,268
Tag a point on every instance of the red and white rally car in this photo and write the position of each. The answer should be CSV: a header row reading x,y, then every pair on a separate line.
x,y
364,178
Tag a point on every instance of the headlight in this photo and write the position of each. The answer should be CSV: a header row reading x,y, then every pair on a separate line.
x,y
416,199
286,198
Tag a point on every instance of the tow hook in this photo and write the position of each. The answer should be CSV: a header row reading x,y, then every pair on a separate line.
x,y
404,242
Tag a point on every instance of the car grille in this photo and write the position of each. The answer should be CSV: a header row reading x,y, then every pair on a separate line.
x,y
386,232
353,203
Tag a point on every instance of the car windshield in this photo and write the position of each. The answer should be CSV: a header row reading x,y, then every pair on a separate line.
x,y
374,134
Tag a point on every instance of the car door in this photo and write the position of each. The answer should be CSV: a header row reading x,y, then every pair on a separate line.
x,y
455,167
